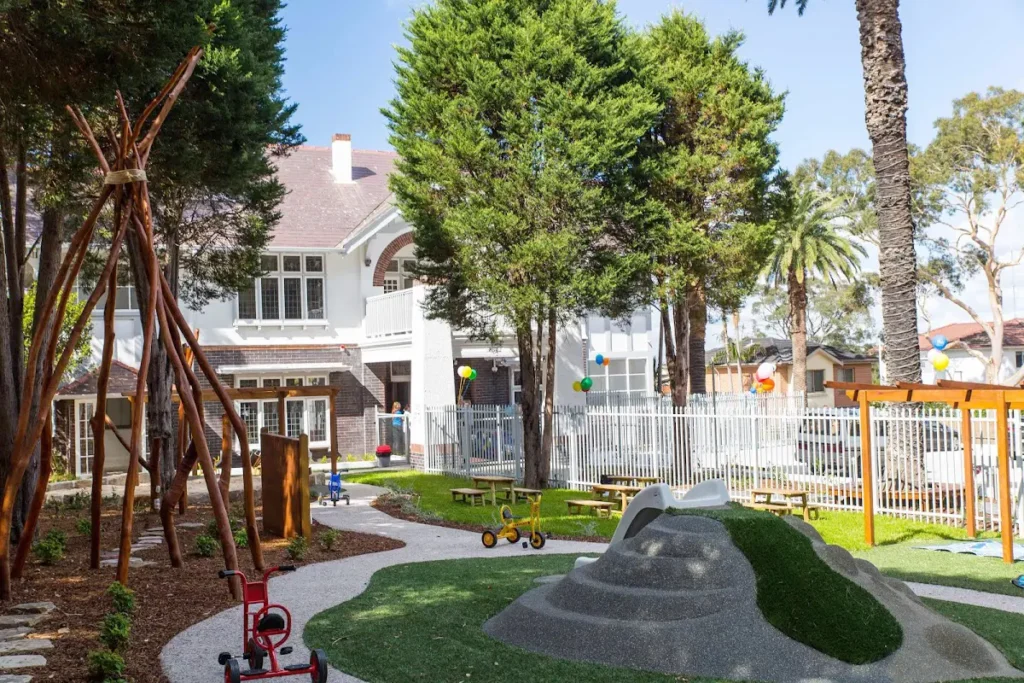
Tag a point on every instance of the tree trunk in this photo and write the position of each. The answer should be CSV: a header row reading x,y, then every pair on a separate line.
x,y
798,332
728,355
739,348
675,344
530,406
549,397
885,96
698,311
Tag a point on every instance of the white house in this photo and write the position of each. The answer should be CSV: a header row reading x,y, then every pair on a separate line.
x,y
965,367
338,306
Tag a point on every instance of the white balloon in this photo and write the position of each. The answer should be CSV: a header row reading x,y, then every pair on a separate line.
x,y
764,371
933,354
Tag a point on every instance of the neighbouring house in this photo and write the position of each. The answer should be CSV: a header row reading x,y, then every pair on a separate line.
x,y
338,306
824,363
963,365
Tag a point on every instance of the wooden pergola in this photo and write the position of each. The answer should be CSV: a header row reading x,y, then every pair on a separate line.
x,y
965,396
281,394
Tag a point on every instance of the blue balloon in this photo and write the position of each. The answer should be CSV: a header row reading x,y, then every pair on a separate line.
x,y
940,342
753,390
599,360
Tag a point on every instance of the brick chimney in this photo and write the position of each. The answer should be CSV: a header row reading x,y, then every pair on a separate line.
x,y
341,157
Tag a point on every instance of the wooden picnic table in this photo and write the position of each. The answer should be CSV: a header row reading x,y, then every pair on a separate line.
x,y
492,481
622,491
791,498
630,479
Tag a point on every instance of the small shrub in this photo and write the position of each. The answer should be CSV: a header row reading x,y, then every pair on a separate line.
x,y
105,666
329,538
205,545
50,549
297,548
587,528
115,631
57,536
84,527
241,539
211,529
122,597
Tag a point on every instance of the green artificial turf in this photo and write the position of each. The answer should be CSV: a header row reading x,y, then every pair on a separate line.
x,y
905,562
422,622
435,498
802,596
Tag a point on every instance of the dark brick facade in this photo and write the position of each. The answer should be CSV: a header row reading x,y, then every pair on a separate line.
x,y
361,389
489,388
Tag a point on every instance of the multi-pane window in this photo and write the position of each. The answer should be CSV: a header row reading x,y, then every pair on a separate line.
x,y
621,375
303,415
291,289
398,275
86,444
847,375
126,299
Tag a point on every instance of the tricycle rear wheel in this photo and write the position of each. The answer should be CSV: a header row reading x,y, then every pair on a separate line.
x,y
489,538
318,666
254,655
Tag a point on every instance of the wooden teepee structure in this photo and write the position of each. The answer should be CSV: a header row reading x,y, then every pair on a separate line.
x,y
122,160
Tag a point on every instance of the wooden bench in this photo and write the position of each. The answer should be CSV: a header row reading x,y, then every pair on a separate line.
x,y
775,508
468,495
603,508
813,510
520,492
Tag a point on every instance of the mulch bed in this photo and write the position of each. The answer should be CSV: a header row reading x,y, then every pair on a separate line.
x,y
390,506
167,600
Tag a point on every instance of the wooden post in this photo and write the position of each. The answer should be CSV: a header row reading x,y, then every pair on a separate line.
x,y
225,457
969,493
333,426
281,424
867,473
305,525
1003,450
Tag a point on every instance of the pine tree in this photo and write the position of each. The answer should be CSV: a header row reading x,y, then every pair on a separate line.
x,y
516,123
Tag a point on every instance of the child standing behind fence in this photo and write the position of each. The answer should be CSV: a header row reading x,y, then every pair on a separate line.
x,y
397,428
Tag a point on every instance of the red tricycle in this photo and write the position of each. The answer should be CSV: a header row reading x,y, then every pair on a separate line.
x,y
265,628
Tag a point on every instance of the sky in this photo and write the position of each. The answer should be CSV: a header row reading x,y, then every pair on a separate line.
x,y
340,66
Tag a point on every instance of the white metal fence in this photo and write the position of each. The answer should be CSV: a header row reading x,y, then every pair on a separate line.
x,y
751,444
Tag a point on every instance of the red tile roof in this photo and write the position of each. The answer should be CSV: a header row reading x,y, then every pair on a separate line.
x,y
318,212
973,334
123,378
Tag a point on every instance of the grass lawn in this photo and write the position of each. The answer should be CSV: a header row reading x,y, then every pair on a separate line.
x,y
895,538
801,596
422,622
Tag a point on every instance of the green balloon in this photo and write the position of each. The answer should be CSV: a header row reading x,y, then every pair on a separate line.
x,y
586,383
472,373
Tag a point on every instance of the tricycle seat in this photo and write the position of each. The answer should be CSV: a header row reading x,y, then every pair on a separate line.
x,y
270,622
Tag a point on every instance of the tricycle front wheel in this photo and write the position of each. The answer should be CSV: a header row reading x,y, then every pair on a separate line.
x,y
489,538
318,666
232,674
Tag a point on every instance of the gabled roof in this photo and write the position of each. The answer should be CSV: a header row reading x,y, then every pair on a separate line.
x,y
317,212
780,352
123,378
974,336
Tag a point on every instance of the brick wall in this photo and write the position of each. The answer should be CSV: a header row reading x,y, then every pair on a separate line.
x,y
861,373
489,388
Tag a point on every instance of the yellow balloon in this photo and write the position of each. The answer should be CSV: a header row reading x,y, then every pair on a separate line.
x,y
941,362
576,386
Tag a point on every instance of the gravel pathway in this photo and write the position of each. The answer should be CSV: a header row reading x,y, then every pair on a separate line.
x,y
191,656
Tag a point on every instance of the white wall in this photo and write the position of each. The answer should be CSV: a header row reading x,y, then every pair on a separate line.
x,y
964,367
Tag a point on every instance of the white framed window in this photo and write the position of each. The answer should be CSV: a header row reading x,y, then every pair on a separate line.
x,y
815,381
847,375
126,299
85,446
516,385
292,289
1018,358
398,275
305,415
621,375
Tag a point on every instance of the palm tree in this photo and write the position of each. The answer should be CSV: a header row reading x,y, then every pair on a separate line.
x,y
808,244
885,98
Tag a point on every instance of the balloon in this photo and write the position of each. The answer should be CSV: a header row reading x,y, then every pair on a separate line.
x,y
753,389
586,383
606,361
599,360
941,362
764,371
768,384
940,342
472,374
577,386
933,354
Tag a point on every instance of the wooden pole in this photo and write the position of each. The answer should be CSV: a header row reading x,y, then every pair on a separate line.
x,y
333,426
98,431
1003,451
281,424
225,457
970,497
867,473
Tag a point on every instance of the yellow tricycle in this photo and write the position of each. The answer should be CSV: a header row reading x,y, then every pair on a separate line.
x,y
510,526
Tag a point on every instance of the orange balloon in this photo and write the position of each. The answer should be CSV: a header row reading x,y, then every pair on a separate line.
x,y
768,384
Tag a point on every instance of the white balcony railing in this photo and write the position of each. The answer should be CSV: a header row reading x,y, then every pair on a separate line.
x,y
388,315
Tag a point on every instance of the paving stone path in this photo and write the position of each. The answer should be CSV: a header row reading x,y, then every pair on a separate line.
x,y
191,656
18,650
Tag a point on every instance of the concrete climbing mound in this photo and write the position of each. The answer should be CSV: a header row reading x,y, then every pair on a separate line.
x,y
679,597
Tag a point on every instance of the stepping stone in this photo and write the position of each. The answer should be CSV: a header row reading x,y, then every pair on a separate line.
x,y
21,661
15,678
132,562
14,620
151,539
190,525
14,633
34,608
24,645
155,530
